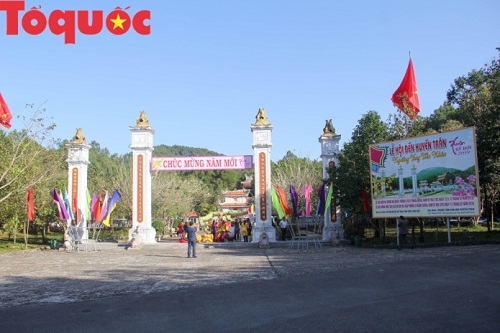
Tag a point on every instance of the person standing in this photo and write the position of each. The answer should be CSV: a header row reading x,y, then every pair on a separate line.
x,y
180,231
249,227
244,231
283,227
403,232
191,239
237,229
213,229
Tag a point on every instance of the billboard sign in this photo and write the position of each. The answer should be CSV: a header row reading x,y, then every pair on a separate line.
x,y
428,176
191,163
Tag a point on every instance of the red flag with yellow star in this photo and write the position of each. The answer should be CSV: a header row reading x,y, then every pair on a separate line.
x,y
5,115
406,96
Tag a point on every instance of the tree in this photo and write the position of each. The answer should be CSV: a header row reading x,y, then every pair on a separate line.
x,y
476,98
443,119
175,195
299,172
27,159
25,154
353,173
12,227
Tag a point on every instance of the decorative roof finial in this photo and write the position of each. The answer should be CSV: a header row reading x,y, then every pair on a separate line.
x,y
329,130
79,137
142,121
261,117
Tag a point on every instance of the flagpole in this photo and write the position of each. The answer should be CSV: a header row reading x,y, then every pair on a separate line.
x,y
402,117
25,232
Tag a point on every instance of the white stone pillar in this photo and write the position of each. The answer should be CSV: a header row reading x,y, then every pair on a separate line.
x,y
329,156
142,148
414,181
401,182
78,162
262,159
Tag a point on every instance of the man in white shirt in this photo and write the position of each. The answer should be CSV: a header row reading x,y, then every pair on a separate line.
x,y
283,225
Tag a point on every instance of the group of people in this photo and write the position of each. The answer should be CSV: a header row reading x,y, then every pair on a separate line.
x,y
222,231
238,230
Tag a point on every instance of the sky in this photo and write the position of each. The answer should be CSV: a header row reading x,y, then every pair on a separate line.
x,y
208,66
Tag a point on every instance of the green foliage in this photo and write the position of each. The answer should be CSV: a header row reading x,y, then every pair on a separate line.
x,y
200,191
298,172
12,227
476,98
354,228
353,173
28,159
159,226
176,150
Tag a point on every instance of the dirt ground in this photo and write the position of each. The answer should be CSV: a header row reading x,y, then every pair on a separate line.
x,y
55,276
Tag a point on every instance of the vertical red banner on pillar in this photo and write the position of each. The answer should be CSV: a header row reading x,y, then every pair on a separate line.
x,y
140,189
74,193
262,187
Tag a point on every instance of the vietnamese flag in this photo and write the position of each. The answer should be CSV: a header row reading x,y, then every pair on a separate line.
x,y
31,205
406,96
5,115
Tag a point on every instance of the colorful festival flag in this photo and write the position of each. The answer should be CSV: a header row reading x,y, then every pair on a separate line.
x,y
111,206
5,115
295,201
276,203
321,203
366,204
329,198
68,205
282,199
104,207
92,203
31,205
63,213
88,200
406,96
96,209
306,191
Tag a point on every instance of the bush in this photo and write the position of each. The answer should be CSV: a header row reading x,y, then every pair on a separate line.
x,y
159,226
353,229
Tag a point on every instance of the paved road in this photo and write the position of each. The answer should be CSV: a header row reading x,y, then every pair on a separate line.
x,y
240,288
